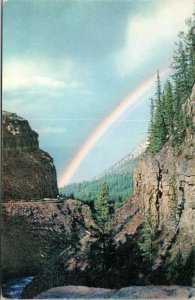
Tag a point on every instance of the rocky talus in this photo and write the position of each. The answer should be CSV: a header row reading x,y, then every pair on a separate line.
x,y
28,172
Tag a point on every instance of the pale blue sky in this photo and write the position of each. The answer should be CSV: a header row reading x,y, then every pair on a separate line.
x,y
68,64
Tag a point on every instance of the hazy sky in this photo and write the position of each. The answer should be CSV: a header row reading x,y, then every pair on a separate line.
x,y
68,64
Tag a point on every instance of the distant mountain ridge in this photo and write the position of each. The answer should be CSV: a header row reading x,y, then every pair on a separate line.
x,y
119,178
122,165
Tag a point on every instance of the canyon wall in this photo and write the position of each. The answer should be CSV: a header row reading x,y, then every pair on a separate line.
x,y
164,186
58,241
48,240
28,172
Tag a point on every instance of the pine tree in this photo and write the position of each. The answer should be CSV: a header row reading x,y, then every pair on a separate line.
x,y
151,123
189,43
181,72
168,104
190,46
179,120
158,88
146,245
168,121
103,214
158,129
103,208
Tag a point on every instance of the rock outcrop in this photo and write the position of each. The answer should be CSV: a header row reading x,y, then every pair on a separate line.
x,y
132,292
164,185
28,172
71,292
48,240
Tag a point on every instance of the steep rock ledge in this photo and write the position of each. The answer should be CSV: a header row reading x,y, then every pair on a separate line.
x,y
28,172
164,183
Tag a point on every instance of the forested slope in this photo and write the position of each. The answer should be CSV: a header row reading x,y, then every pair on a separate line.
x,y
119,179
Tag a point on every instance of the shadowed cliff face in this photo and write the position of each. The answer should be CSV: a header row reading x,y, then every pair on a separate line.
x,y
28,172
164,184
48,240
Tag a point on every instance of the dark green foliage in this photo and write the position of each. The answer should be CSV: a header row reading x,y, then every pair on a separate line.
x,y
181,71
103,208
168,107
150,127
175,270
190,45
157,124
181,270
102,253
146,245
120,188
168,120
119,179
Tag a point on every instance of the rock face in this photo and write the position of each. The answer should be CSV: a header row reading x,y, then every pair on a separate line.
x,y
48,240
155,292
71,292
59,243
164,184
132,292
28,172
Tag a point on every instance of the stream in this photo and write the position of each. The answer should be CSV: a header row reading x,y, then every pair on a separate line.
x,y
14,288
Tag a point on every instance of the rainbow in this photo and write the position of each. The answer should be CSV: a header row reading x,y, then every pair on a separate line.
x,y
105,125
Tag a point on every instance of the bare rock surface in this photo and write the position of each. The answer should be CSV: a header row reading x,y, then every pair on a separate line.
x,y
164,184
155,292
28,172
132,292
68,292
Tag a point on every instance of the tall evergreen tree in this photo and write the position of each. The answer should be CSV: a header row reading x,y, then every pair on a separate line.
x,y
188,41
146,245
103,215
103,208
169,121
168,104
158,88
151,123
158,128
181,72
190,48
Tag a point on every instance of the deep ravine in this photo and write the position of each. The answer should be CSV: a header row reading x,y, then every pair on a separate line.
x,y
58,242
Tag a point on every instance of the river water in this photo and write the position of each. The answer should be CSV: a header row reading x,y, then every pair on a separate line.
x,y
14,288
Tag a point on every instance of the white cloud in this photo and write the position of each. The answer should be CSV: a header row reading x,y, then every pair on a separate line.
x,y
27,75
145,34
47,82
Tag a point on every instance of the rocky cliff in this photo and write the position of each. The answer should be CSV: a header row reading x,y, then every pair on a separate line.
x,y
164,185
28,172
59,243
47,239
